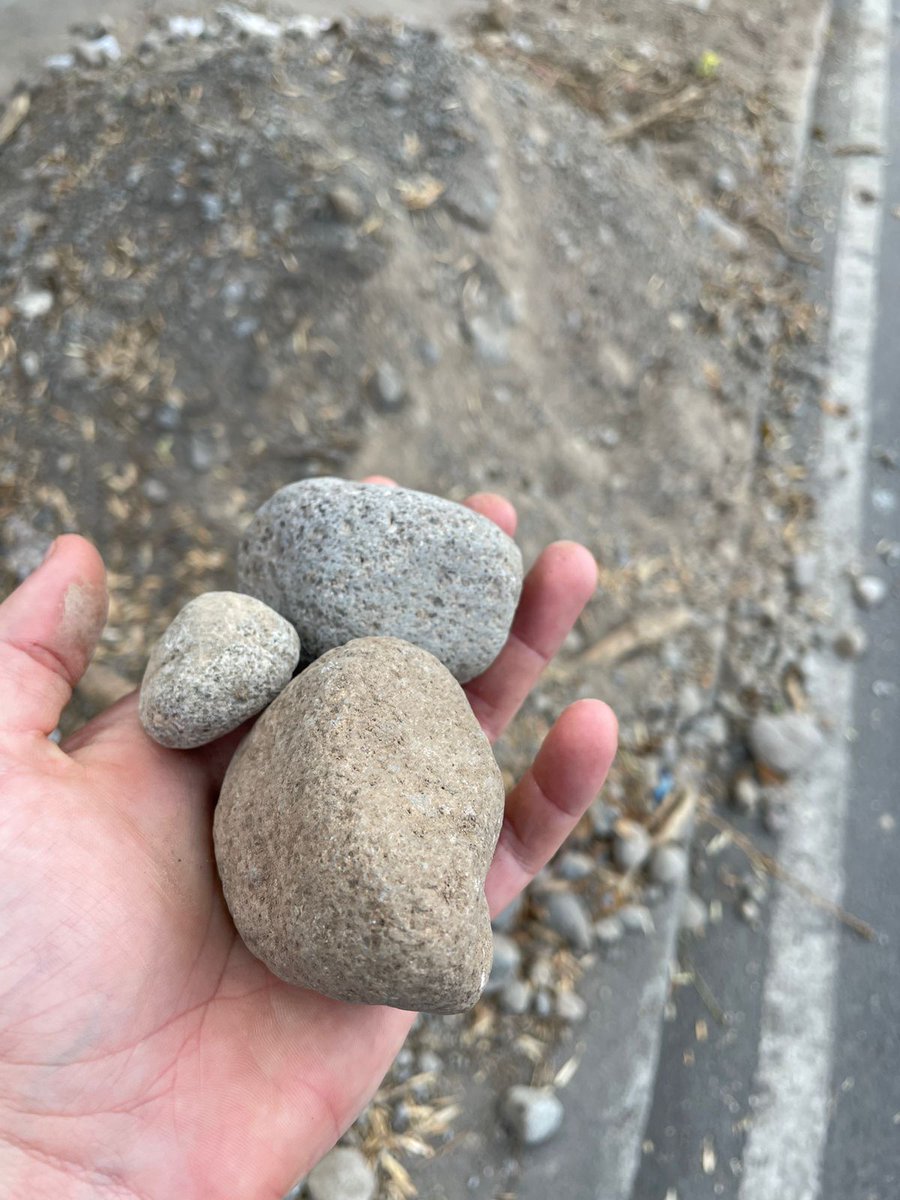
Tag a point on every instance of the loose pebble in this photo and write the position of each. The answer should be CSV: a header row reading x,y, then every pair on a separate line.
x,y
636,918
668,864
543,1003
382,719
694,915
387,389
567,916
344,1174
870,591
346,560
851,643
32,304
571,1007
574,866
603,818
515,999
506,962
745,794
786,743
631,844
609,931
221,661
99,52
532,1114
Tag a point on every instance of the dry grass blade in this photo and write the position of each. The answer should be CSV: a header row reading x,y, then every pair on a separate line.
x,y
16,112
765,862
638,633
672,108
398,1175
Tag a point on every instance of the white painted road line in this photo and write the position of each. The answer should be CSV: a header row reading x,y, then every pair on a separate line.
x,y
784,1148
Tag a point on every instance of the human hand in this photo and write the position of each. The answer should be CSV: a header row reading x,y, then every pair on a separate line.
x,y
144,1052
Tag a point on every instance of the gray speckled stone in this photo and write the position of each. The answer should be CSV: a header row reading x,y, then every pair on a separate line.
x,y
532,1114
343,1174
348,560
221,661
355,828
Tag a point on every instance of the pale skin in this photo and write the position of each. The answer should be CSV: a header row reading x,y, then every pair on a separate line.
x,y
144,1053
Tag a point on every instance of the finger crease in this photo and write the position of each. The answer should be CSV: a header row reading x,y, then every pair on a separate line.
x,y
45,657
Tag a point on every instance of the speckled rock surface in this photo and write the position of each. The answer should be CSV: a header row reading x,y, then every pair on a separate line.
x,y
347,560
355,828
221,661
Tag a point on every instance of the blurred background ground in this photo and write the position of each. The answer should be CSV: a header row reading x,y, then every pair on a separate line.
x,y
550,257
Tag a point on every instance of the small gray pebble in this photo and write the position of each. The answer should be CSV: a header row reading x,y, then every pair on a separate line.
x,y
725,181
344,1174
631,844
774,814
541,972
603,818
543,1003
397,92
212,206
400,1117
574,866
636,918
668,864
490,340
155,491
346,560
99,52
202,453
515,998
346,205
533,1114
851,643
567,916
506,963
387,390
745,794
693,915
430,1062
870,591
750,911
754,888
222,660
403,1064
571,1007
787,743
609,931
508,919
30,364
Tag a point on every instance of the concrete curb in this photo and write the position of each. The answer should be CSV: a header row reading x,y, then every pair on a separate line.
x,y
798,81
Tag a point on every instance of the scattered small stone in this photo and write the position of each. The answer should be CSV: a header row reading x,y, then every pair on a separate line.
x,y
603,818
346,205
99,52
186,28
387,389
609,931
750,911
668,864
774,814
753,888
250,23
575,865
403,1064
631,844
221,661
691,702
693,915
636,918
728,235
509,917
515,998
786,743
851,643
400,1117
30,364
745,794
803,572
155,491
473,201
541,973
571,1007
430,1063
33,304
60,62
490,340
397,92
344,1174
212,206
202,452
543,1003
870,591
25,546
533,1114
725,181
567,916
506,962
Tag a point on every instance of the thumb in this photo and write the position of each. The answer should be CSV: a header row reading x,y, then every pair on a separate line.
x,y
49,628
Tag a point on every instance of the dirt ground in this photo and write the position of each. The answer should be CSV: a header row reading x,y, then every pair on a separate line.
x,y
551,261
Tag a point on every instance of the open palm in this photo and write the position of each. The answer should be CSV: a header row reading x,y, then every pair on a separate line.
x,y
144,1053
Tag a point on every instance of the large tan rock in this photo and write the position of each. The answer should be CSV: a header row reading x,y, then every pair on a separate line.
x,y
355,828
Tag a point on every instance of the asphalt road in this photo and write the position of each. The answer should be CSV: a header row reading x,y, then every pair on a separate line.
x,y
740,1049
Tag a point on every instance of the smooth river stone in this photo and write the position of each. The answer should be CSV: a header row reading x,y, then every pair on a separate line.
x,y
222,660
347,560
355,829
